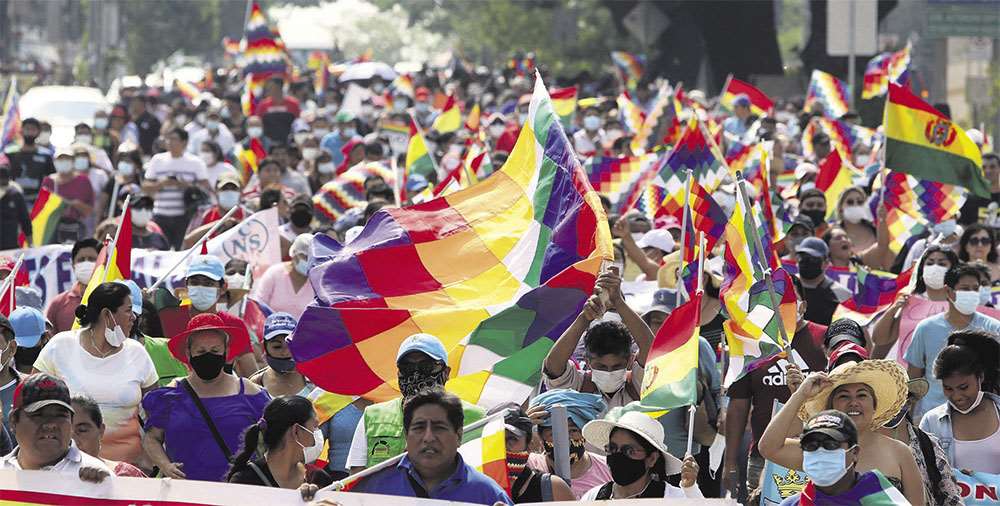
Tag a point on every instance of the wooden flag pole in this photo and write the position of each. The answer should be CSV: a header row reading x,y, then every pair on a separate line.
x,y
114,242
759,248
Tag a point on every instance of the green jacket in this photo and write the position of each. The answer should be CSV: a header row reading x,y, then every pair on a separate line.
x,y
384,428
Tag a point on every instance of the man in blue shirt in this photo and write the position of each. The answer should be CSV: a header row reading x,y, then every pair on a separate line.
x,y
931,335
344,133
432,467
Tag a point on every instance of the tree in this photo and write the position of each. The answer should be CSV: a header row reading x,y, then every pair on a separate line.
x,y
155,30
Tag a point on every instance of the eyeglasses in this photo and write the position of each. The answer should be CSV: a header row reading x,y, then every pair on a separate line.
x,y
423,367
629,451
815,444
980,241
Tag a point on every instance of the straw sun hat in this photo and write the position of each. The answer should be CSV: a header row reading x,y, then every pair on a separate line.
x,y
886,379
598,433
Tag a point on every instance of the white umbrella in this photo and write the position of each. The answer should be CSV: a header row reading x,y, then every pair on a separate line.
x,y
367,70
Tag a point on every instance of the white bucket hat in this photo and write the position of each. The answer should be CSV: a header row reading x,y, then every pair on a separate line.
x,y
598,433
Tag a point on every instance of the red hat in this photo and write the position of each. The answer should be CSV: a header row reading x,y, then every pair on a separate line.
x,y
421,92
667,222
203,322
843,349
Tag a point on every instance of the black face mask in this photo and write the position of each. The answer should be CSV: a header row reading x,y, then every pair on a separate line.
x,y
25,357
280,365
29,139
818,216
418,380
208,366
576,450
301,218
625,471
810,268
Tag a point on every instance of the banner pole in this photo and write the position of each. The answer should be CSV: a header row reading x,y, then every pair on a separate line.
x,y
195,247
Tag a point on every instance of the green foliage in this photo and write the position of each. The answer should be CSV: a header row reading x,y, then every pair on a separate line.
x,y
566,37
157,29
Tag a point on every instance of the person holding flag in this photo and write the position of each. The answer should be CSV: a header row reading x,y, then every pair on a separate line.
x,y
84,261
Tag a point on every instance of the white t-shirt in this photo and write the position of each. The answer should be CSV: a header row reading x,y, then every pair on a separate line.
x,y
186,168
217,170
70,463
358,455
692,492
114,382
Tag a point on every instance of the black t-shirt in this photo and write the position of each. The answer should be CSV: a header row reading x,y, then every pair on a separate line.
x,y
247,476
149,129
28,168
821,302
766,384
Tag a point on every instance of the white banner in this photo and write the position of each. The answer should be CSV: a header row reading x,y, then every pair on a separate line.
x,y
51,488
256,239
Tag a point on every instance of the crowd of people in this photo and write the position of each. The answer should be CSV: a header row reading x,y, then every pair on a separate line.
x,y
103,389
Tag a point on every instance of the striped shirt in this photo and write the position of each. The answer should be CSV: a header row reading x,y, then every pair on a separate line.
x,y
186,168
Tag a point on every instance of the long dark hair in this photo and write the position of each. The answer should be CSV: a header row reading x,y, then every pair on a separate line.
x,y
970,352
971,230
920,287
108,296
281,414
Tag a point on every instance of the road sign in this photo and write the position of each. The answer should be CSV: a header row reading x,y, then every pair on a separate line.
x,y
839,27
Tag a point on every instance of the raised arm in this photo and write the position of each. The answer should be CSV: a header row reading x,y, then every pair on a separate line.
x,y
774,445
558,357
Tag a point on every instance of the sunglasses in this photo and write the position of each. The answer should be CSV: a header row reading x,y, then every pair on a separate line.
x,y
423,367
630,451
980,241
817,443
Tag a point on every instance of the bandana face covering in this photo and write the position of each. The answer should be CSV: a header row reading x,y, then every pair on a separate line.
x,y
419,380
516,462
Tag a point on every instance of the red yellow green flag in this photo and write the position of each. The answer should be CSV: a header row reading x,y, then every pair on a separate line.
x,y
119,266
45,214
834,177
450,118
924,143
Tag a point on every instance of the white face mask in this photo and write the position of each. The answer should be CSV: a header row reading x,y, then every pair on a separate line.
x,y
83,271
310,153
855,214
114,337
63,166
325,168
208,157
100,123
126,168
321,132
212,125
43,138
495,130
203,297
300,137
608,381
975,404
985,295
229,199
591,123
809,185
255,132
862,161
81,163
934,276
311,453
235,280
85,139
181,119
141,217
615,133
966,301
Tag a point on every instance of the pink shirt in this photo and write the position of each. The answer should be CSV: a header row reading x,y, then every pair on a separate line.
x,y
275,289
598,474
78,188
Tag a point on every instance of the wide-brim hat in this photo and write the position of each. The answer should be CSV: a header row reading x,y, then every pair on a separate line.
x,y
598,433
203,322
886,378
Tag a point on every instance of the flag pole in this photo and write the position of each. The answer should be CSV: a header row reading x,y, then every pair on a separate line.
x,y
684,223
195,247
114,197
701,261
759,248
246,286
691,411
114,242
11,279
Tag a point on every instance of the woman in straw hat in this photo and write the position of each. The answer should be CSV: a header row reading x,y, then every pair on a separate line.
x,y
940,487
870,393
639,460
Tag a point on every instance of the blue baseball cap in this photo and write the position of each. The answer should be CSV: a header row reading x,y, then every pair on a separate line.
x,y
136,294
29,325
206,265
415,183
741,99
814,247
426,344
278,324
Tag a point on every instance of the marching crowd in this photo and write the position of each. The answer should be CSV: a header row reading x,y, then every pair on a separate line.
x,y
105,389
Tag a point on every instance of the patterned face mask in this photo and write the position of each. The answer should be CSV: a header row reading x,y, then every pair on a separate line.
x,y
516,462
416,379
576,449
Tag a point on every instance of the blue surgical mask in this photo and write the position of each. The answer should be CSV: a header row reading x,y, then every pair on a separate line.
x,y
203,297
350,132
825,467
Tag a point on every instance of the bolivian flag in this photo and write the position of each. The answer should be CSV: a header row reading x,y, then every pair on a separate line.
x,y
564,104
670,379
834,177
119,268
45,215
923,142
450,118
418,158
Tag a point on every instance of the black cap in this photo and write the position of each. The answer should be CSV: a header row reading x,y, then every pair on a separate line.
x,y
142,200
812,192
39,390
301,200
804,222
831,423
843,328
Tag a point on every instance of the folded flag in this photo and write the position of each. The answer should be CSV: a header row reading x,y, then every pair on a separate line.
x,y
444,266
830,93
45,215
564,103
760,103
921,141
11,128
834,177
883,69
348,189
450,118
